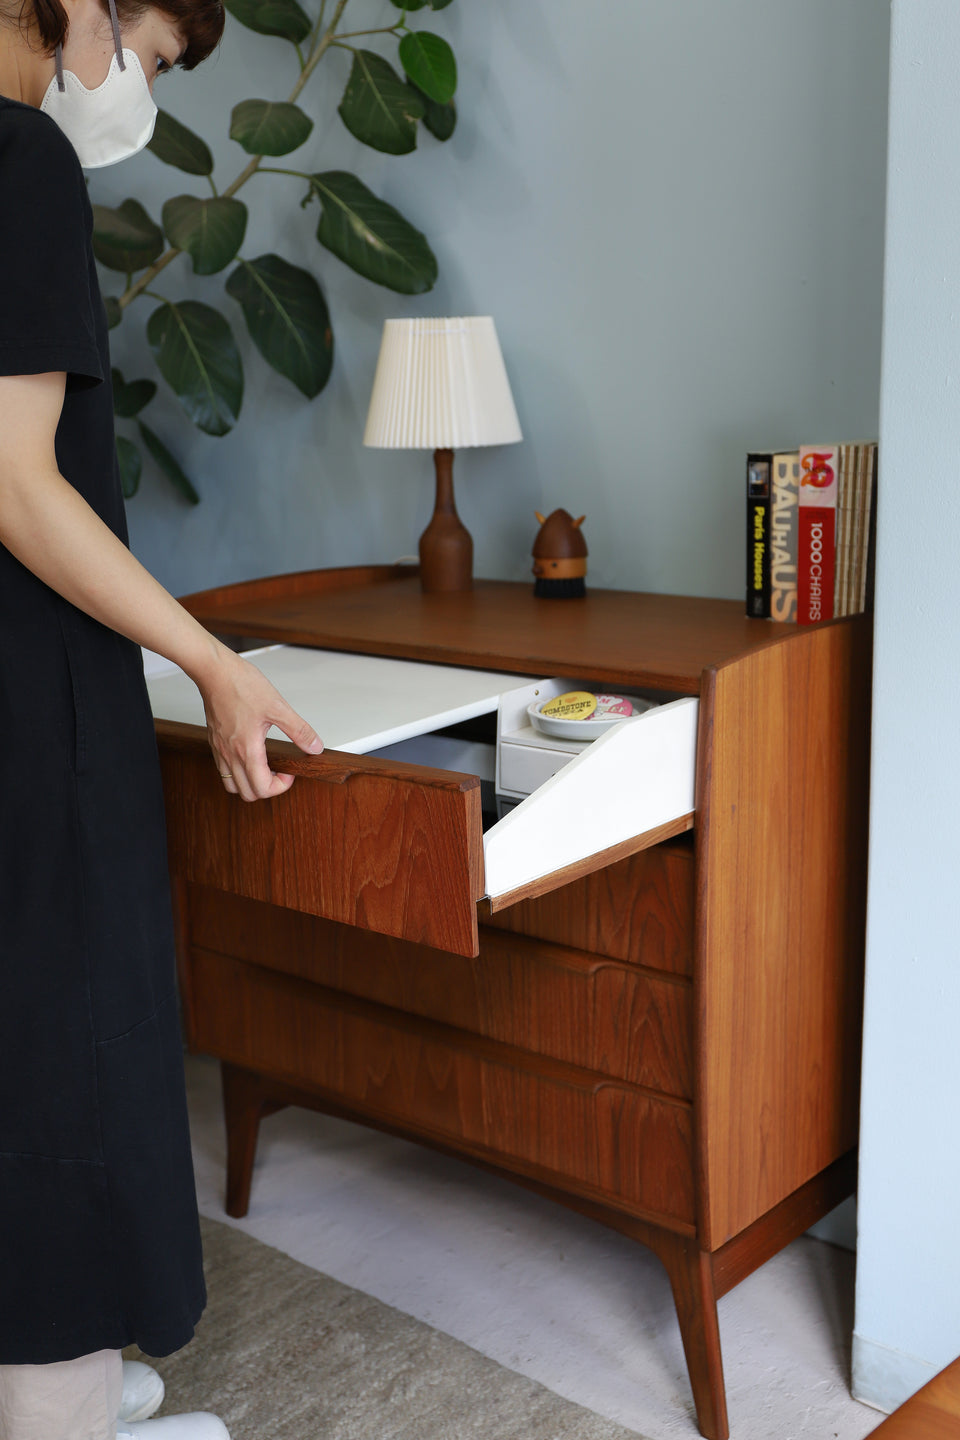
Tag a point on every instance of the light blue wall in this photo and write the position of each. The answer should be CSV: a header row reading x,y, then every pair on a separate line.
x,y
673,209
908,1275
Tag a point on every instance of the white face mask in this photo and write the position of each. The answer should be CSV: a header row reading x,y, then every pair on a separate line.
x,y
111,122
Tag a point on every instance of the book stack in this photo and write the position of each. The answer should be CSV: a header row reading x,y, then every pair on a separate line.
x,y
811,522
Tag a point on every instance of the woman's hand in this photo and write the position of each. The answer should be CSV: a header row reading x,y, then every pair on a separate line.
x,y
241,705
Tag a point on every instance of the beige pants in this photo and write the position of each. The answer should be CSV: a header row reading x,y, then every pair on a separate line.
x,y
72,1400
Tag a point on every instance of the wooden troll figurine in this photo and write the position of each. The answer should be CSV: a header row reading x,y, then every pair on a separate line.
x,y
559,557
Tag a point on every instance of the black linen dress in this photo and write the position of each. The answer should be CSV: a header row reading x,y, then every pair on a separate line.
x,y
99,1237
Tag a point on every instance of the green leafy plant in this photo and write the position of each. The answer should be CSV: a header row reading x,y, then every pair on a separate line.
x,y
284,307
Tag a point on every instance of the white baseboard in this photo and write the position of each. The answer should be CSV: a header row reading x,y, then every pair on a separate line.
x,y
884,1378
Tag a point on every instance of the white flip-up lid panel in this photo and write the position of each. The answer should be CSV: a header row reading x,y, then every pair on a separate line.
x,y
356,703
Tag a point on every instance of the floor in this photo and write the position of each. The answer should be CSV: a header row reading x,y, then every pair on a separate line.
x,y
540,1289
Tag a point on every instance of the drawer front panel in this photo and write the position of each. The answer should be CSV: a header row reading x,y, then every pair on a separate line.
x,y
601,1138
547,999
639,910
356,839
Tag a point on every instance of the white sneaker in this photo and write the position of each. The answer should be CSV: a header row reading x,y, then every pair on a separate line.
x,y
142,1391
198,1426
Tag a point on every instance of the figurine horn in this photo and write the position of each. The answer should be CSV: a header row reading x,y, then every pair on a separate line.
x,y
541,518
578,523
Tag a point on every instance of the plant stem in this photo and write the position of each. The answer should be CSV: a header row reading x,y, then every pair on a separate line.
x,y
383,30
319,49
279,170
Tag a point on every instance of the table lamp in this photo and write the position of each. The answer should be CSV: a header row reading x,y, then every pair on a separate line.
x,y
440,385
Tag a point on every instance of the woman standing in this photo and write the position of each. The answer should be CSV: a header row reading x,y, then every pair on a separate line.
x,y
99,1238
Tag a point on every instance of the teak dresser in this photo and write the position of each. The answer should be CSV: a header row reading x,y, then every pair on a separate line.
x,y
662,1034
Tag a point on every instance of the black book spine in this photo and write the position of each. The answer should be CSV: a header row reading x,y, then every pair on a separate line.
x,y
759,467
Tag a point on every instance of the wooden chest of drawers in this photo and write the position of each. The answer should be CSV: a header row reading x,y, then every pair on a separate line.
x,y
664,1036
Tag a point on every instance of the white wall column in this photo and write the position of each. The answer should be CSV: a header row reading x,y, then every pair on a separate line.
x,y
908,1273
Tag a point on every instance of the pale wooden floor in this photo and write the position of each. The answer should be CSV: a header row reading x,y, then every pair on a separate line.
x,y
538,1288
932,1414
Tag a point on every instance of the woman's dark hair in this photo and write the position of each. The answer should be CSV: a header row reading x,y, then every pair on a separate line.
x,y
199,21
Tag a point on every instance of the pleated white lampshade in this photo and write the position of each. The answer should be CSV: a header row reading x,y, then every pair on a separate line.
x,y
441,384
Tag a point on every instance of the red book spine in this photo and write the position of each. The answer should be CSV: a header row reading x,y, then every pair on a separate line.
x,y
815,561
816,533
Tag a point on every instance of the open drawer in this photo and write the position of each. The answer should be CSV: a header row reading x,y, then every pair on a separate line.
x,y
372,840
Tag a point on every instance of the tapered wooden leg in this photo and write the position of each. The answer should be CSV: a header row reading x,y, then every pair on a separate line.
x,y
691,1278
244,1105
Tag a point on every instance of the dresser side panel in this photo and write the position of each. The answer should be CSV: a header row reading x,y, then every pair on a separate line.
x,y
781,866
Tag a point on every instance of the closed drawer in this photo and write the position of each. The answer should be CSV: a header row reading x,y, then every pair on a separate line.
x,y
549,1000
601,1138
399,848
640,910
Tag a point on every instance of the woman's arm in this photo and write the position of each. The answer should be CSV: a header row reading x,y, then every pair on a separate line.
x,y
52,530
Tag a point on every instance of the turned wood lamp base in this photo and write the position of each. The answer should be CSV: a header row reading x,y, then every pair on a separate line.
x,y
446,549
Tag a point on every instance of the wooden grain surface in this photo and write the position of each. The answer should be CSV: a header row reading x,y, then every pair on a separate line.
x,y
639,910
395,849
547,1120
782,806
767,1236
586,1010
618,637
932,1414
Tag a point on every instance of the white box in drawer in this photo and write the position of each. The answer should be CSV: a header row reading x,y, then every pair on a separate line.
x,y
528,759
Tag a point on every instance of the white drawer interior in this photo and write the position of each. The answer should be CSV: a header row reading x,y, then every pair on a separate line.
x,y
575,798
637,777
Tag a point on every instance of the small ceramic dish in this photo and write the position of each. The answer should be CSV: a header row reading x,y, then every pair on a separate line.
x,y
590,729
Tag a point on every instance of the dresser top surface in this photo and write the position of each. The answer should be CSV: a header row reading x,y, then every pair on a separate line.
x,y
616,636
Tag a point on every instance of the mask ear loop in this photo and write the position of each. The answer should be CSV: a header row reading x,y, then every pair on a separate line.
x,y
117,45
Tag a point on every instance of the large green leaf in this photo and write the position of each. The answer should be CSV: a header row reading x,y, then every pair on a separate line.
x,y
288,319
168,464
268,127
430,64
378,108
371,236
131,466
125,239
272,17
175,145
198,357
114,313
129,400
440,120
211,231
